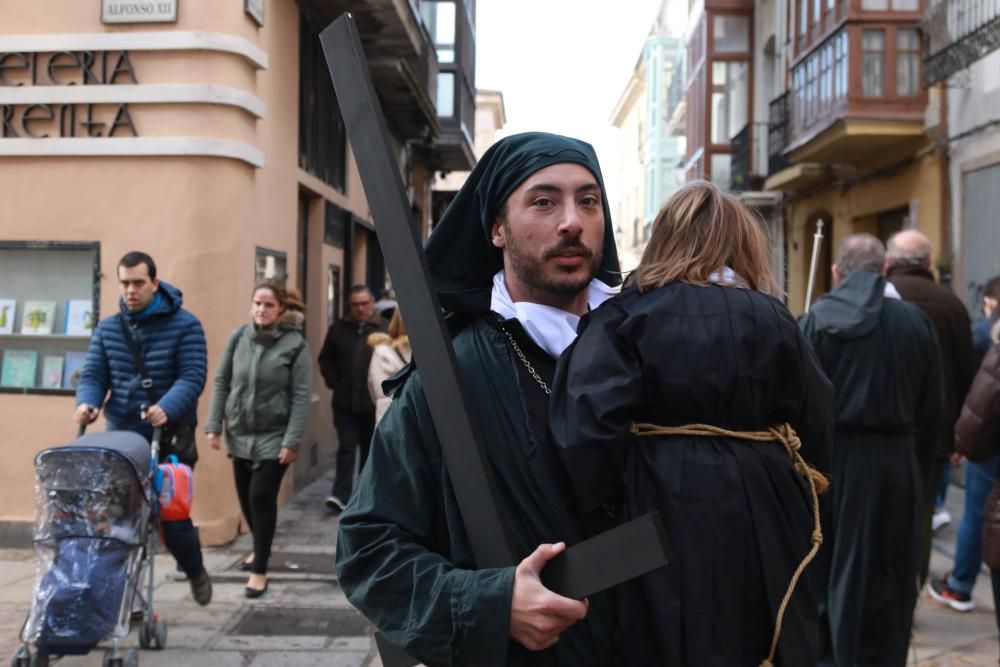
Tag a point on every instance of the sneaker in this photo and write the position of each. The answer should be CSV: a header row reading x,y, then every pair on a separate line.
x,y
940,519
335,504
201,588
940,591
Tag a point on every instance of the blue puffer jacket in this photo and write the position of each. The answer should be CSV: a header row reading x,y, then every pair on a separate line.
x,y
173,348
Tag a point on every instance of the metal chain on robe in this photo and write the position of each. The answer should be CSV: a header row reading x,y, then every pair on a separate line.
x,y
818,484
524,359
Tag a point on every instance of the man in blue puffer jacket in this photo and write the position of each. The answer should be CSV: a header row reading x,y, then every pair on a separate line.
x,y
172,344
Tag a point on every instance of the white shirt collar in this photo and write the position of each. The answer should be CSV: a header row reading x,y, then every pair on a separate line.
x,y
553,329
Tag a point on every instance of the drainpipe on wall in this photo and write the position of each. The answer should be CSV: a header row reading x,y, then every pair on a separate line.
x,y
944,249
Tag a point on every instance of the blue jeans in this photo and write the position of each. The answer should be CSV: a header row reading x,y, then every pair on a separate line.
x,y
969,551
943,486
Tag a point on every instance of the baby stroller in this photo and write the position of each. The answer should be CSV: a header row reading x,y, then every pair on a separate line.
x,y
95,538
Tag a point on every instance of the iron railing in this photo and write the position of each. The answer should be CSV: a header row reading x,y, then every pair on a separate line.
x,y
956,34
777,134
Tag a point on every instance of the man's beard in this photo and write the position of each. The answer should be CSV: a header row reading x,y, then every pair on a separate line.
x,y
532,272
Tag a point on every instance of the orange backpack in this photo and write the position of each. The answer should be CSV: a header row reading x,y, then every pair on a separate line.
x,y
174,486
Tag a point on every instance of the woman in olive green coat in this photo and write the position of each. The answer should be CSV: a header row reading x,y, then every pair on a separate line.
x,y
262,392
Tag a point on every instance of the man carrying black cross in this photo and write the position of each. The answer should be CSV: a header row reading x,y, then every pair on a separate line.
x,y
524,250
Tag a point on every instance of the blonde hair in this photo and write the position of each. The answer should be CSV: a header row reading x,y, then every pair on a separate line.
x,y
397,328
701,229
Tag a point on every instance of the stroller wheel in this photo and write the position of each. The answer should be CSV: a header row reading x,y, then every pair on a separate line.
x,y
21,657
127,659
153,635
39,660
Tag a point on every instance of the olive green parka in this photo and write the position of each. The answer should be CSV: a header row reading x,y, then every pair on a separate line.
x,y
262,389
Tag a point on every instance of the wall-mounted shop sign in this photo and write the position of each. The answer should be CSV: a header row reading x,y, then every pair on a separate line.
x,y
255,8
139,11
66,68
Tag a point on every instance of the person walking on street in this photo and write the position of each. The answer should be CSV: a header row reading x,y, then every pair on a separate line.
x,y
149,362
977,436
525,249
261,398
343,362
716,412
882,356
390,354
955,589
908,268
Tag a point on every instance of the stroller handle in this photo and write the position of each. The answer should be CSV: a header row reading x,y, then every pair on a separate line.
x,y
154,444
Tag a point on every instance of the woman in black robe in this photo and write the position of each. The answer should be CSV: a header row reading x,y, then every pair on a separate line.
x,y
694,339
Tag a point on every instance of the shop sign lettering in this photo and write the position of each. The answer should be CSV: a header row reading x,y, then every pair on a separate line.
x,y
66,68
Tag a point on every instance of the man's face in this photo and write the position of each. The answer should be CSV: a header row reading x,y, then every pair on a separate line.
x,y
362,306
553,234
136,286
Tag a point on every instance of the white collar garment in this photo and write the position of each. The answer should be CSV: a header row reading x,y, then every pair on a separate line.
x,y
553,329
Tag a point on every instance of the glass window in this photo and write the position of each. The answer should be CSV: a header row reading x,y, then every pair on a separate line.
x,y
446,94
270,264
439,19
811,90
840,74
874,5
730,95
731,34
873,75
817,12
803,17
720,170
906,5
798,94
48,309
907,62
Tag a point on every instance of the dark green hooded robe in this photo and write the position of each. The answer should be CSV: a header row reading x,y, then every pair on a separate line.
x,y
403,556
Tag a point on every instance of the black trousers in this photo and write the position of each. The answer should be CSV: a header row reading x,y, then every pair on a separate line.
x,y
354,430
257,486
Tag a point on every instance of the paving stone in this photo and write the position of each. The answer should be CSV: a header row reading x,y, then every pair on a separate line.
x,y
270,643
330,659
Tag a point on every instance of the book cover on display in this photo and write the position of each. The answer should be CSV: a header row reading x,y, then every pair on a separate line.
x,y
79,317
19,368
72,368
8,312
52,372
38,318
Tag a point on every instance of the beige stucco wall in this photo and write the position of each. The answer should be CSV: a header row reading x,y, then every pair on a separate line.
x,y
200,217
853,210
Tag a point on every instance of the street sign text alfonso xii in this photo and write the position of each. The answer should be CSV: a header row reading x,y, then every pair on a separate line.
x,y
66,68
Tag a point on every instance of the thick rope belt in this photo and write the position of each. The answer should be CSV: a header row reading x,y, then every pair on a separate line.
x,y
818,484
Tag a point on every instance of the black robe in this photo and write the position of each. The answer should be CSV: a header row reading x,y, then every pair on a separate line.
x,y
738,517
403,557
882,356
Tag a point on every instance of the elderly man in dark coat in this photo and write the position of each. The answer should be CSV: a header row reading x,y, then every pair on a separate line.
x,y
882,356
523,251
908,268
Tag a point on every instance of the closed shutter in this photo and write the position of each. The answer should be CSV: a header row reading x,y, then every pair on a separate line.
x,y
980,232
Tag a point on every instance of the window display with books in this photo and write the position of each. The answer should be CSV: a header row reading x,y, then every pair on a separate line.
x,y
49,293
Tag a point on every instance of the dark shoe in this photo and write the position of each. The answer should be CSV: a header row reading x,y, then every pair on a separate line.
x,y
335,504
255,592
201,588
246,566
940,591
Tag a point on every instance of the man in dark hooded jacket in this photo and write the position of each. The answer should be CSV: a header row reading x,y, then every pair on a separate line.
x,y
882,356
525,248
